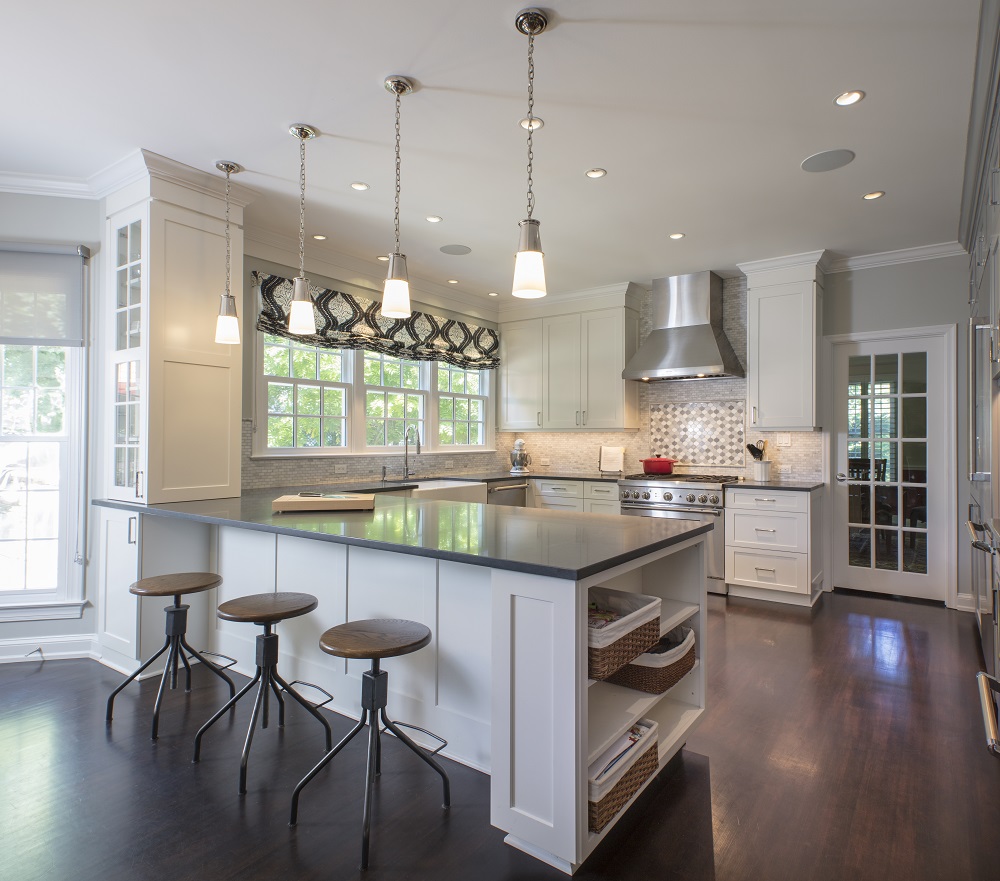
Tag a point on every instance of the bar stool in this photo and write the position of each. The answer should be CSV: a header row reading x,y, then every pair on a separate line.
x,y
264,610
177,585
373,639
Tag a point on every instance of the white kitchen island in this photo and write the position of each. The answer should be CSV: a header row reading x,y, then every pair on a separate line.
x,y
503,590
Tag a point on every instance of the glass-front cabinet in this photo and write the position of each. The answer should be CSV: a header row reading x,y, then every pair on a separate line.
x,y
127,356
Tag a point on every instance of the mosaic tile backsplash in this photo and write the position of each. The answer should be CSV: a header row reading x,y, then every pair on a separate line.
x,y
706,433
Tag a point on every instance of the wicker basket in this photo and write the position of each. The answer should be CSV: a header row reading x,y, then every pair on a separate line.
x,y
657,673
604,803
636,631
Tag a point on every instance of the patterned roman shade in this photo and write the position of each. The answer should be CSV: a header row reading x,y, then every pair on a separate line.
x,y
349,321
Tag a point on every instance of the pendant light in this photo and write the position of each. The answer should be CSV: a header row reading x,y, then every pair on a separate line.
x,y
529,267
396,294
301,319
227,325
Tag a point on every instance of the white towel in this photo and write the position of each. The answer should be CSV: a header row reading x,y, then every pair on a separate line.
x,y
612,459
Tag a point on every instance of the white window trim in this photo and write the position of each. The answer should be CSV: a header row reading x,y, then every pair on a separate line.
x,y
355,408
66,601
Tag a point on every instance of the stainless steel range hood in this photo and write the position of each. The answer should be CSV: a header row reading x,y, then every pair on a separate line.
x,y
687,341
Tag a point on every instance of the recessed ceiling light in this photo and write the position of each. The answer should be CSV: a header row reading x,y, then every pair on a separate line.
x,y
828,160
848,98
433,218
876,194
493,294
359,185
677,235
536,123
596,172
320,238
452,281
383,258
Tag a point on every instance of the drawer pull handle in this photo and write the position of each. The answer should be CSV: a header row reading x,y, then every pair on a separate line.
x,y
762,569
762,529
765,500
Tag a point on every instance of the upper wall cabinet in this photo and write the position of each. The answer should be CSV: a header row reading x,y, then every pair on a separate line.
x,y
784,325
171,395
563,371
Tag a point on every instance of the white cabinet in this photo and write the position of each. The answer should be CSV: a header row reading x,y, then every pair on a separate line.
x,y
562,371
589,496
520,374
784,327
172,395
773,546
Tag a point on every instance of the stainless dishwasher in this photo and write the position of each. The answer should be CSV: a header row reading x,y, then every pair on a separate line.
x,y
507,491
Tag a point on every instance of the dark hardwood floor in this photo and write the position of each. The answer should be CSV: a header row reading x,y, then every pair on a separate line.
x,y
841,743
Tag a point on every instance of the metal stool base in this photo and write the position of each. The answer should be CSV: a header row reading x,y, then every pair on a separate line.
x,y
175,646
374,697
267,680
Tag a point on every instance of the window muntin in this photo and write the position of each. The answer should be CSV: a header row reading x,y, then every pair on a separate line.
x,y
319,401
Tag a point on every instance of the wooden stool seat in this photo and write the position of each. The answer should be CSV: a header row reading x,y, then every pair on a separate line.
x,y
175,584
375,638
267,608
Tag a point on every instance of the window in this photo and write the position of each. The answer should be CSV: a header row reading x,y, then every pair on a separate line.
x,y
317,401
41,434
38,470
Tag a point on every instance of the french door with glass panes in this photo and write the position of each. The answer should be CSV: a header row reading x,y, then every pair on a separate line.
x,y
895,465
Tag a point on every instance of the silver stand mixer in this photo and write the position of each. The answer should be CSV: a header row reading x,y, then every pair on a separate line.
x,y
519,459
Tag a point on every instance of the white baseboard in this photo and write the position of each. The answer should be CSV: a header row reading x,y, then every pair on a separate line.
x,y
49,648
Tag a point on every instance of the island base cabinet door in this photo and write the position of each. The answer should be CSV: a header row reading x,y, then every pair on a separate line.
x,y
118,567
537,792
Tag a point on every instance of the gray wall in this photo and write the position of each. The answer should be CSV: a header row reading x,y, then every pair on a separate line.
x,y
919,294
53,220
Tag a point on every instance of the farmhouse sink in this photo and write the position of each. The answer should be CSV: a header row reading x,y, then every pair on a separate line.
x,y
447,490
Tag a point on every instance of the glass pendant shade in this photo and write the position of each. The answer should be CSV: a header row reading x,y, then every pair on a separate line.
x,y
529,266
301,319
396,295
227,325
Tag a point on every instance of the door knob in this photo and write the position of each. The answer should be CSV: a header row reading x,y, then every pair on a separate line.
x,y
841,477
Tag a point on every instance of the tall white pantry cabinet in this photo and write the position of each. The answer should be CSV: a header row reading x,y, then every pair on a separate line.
x,y
170,397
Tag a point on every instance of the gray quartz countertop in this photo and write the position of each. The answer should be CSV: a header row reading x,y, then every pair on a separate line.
x,y
558,544
794,485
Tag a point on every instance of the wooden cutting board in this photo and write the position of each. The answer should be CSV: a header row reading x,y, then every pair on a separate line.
x,y
325,502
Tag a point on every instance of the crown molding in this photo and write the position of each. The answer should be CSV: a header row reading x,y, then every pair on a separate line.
x,y
817,259
34,185
893,258
136,166
625,293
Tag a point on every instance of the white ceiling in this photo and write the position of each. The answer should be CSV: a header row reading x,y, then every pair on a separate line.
x,y
700,112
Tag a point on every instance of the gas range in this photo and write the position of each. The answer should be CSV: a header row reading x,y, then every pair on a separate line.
x,y
673,490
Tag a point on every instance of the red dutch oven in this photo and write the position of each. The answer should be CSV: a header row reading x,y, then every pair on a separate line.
x,y
658,465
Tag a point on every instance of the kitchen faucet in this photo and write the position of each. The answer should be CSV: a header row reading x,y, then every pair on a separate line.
x,y
406,450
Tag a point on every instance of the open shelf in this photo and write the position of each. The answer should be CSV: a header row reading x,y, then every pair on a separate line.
x,y
613,708
674,612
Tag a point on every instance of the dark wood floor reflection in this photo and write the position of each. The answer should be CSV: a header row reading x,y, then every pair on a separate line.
x,y
842,743
846,743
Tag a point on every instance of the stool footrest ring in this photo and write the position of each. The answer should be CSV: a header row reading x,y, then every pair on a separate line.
x,y
430,734
232,661
319,688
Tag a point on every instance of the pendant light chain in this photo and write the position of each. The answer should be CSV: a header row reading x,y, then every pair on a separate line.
x,y
302,207
228,240
397,172
531,107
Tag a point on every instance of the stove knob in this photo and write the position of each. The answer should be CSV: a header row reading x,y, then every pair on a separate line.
x,y
635,494
714,499
690,497
624,493
668,497
645,495
703,498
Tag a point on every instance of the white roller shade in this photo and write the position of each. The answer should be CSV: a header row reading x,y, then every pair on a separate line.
x,y
41,298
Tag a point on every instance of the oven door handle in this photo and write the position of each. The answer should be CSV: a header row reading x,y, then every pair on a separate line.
x,y
715,512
